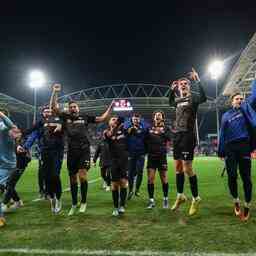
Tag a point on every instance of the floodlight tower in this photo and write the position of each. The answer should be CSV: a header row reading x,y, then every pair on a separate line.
x,y
36,80
216,70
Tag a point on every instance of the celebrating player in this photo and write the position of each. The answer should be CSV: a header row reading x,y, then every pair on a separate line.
x,y
186,96
115,136
22,160
8,133
78,155
156,145
136,130
49,132
237,141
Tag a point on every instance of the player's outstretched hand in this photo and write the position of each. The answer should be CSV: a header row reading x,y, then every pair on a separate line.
x,y
193,75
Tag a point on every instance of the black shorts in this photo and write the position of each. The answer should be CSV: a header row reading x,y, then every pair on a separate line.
x,y
119,169
183,146
78,159
157,163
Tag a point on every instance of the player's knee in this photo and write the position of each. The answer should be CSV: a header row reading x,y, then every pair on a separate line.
x,y
187,168
73,179
164,177
124,183
82,175
115,185
232,175
189,172
151,179
178,166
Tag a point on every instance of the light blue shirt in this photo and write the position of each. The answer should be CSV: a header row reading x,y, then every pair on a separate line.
x,y
7,145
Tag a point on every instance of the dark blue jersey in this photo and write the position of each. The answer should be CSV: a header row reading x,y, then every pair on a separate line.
x,y
239,124
136,138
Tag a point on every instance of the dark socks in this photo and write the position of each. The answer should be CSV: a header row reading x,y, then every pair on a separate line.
x,y
193,186
84,188
165,189
123,194
151,190
115,196
74,190
180,179
139,181
58,188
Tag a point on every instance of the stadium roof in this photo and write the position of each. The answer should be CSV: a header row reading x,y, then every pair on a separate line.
x,y
145,98
14,105
243,71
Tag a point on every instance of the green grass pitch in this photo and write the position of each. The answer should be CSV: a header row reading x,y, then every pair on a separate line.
x,y
214,229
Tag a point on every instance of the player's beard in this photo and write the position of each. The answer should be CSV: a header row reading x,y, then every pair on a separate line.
x,y
159,123
74,114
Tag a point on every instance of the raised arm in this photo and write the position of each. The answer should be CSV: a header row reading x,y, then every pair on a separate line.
x,y
252,98
7,123
200,96
105,115
174,86
54,98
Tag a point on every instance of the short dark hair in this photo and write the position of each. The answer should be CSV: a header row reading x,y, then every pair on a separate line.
x,y
136,114
72,102
44,108
184,78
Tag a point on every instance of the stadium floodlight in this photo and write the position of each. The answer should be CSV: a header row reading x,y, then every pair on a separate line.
x,y
216,69
36,80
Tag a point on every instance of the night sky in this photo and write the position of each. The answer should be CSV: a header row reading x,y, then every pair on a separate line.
x,y
85,45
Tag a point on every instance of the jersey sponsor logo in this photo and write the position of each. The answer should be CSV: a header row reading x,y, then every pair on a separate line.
x,y
185,154
79,122
51,124
235,117
185,103
120,136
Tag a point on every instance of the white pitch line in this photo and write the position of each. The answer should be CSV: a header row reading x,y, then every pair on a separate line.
x,y
68,189
113,252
